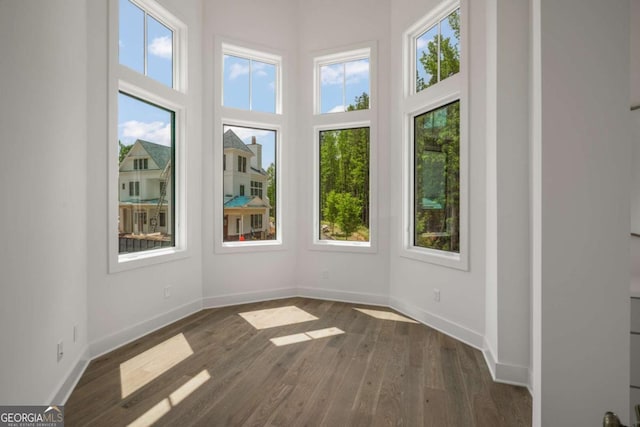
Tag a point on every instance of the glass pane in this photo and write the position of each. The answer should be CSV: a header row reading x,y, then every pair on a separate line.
x,y
450,45
427,59
263,87
437,179
250,198
145,137
344,185
236,82
131,37
332,88
357,84
159,52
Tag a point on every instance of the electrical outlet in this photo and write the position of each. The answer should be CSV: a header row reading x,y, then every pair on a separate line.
x,y
75,333
436,295
167,291
60,351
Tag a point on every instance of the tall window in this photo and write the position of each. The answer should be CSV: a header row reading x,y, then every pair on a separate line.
x,y
148,132
344,185
256,153
251,115
343,197
435,130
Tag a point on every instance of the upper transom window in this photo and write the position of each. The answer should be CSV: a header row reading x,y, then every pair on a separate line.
x,y
145,43
250,81
437,51
343,82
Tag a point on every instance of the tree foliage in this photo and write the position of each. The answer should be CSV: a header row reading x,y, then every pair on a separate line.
x,y
449,54
124,150
271,189
349,209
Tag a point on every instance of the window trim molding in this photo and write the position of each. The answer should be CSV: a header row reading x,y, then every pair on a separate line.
x,y
123,79
413,104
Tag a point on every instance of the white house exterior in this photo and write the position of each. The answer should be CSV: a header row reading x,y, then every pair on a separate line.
x,y
144,191
246,205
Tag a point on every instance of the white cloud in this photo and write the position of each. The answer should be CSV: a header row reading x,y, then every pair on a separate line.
x,y
355,71
245,134
337,109
238,70
332,74
157,132
422,43
161,47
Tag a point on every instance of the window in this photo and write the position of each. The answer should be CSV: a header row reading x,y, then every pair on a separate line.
x,y
145,43
344,185
435,224
438,51
242,164
259,147
251,80
345,155
343,85
437,178
148,47
224,162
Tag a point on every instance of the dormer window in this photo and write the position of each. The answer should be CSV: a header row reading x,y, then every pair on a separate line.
x,y
140,164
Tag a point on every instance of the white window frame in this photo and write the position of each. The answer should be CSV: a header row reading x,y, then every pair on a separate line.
x,y
130,82
341,121
229,116
452,88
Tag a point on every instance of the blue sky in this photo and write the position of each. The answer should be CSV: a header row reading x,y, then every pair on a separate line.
x,y
341,83
137,119
265,137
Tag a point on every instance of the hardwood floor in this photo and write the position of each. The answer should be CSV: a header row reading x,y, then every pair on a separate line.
x,y
215,368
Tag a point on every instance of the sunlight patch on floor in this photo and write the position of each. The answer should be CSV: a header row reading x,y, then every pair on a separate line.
x,y
272,317
163,407
149,365
385,315
306,336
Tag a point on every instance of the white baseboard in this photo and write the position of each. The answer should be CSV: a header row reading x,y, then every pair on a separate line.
x,y
343,296
248,297
71,379
504,372
132,333
441,324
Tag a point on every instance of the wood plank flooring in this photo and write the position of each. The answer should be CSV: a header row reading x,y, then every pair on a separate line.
x,y
222,371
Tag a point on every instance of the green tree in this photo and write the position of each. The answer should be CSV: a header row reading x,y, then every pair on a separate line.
x,y
271,189
124,150
330,210
349,209
449,55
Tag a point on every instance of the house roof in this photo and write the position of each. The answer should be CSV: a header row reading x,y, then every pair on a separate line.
x,y
231,140
260,171
246,201
160,154
430,204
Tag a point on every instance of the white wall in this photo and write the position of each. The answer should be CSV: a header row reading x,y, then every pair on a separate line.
x,y
581,175
248,274
331,25
43,259
123,305
461,310
635,52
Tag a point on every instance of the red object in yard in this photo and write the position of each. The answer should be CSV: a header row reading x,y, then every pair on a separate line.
x,y
242,238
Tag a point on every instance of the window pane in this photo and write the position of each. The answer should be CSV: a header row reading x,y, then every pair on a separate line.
x,y
344,185
251,190
131,38
437,179
236,82
145,132
450,45
263,87
159,52
332,88
427,59
357,84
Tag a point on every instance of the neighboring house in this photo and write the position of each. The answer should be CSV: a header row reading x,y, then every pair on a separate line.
x,y
246,205
144,190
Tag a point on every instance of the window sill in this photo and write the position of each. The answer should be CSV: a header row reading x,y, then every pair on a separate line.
x,y
249,246
342,246
135,260
433,256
